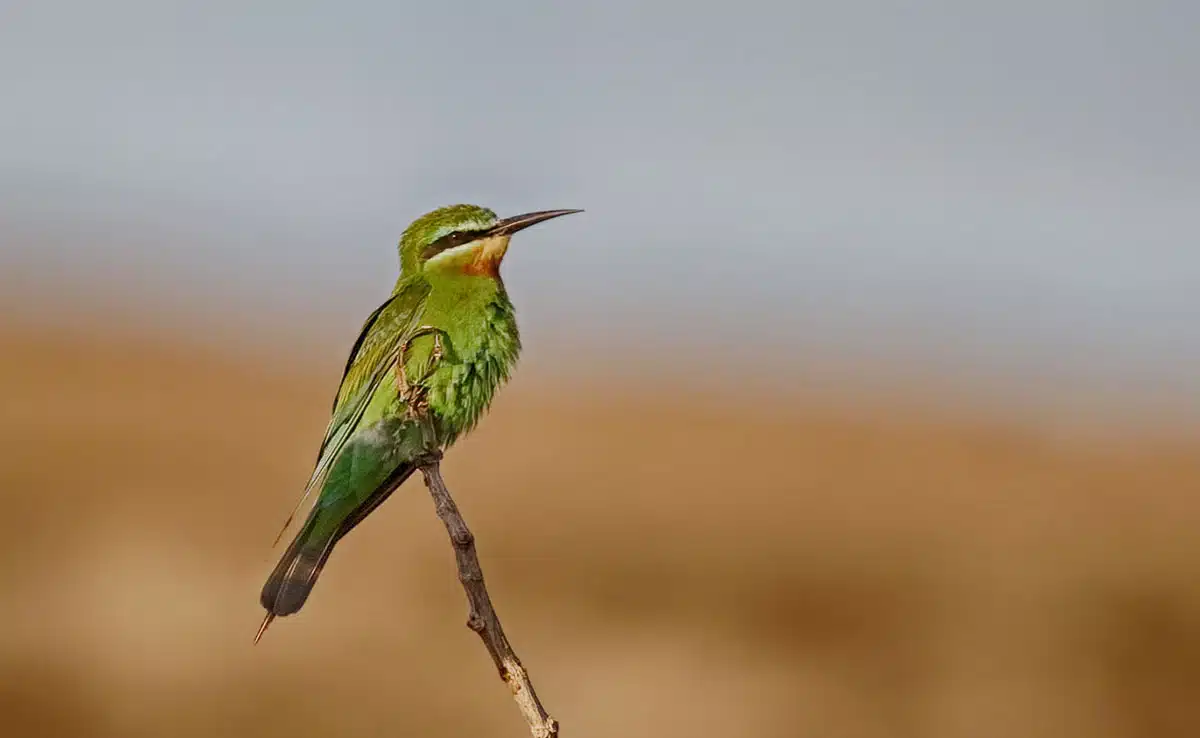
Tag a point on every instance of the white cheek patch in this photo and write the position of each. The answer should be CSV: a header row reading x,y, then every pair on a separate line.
x,y
451,253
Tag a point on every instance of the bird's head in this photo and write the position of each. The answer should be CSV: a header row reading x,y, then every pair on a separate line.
x,y
463,239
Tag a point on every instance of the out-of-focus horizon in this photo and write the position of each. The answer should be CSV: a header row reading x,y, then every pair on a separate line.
x,y
862,401
1002,194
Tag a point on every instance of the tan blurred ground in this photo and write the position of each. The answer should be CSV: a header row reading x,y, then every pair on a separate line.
x,y
666,564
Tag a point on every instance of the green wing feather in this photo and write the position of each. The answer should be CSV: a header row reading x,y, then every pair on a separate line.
x,y
371,359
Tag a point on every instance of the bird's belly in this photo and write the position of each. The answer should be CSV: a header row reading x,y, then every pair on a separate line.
x,y
459,394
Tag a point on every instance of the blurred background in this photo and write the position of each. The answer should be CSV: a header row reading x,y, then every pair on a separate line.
x,y
864,400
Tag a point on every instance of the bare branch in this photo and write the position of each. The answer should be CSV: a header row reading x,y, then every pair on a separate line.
x,y
482,618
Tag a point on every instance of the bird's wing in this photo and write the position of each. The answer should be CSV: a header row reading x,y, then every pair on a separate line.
x,y
371,358
374,354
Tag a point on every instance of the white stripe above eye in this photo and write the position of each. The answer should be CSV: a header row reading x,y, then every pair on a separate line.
x,y
462,225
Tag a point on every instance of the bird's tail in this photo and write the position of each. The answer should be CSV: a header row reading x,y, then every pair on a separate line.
x,y
292,580
294,576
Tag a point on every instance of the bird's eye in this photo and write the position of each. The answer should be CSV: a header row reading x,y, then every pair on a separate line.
x,y
448,241
458,238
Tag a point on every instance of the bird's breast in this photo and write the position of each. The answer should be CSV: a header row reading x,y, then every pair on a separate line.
x,y
479,360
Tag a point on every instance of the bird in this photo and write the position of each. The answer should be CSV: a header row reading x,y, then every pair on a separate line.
x,y
421,374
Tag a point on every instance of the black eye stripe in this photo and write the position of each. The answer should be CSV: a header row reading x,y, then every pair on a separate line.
x,y
449,241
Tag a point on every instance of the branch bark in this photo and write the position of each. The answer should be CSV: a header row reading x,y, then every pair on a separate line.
x,y
483,619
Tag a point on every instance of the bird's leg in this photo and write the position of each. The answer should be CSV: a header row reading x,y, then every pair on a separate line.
x,y
435,357
413,393
418,407
402,385
401,379
419,401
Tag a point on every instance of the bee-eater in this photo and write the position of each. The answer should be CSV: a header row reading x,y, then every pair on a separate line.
x,y
430,358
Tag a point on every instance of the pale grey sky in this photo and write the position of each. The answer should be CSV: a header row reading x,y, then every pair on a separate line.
x,y
1012,186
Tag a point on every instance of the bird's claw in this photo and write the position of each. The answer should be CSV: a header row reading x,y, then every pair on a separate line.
x,y
428,457
438,352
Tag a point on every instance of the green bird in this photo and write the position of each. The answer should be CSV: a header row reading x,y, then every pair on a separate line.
x,y
427,363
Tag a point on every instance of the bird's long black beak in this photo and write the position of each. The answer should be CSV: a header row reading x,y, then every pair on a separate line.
x,y
509,226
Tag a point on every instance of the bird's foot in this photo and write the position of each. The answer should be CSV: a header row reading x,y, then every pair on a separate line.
x,y
428,457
